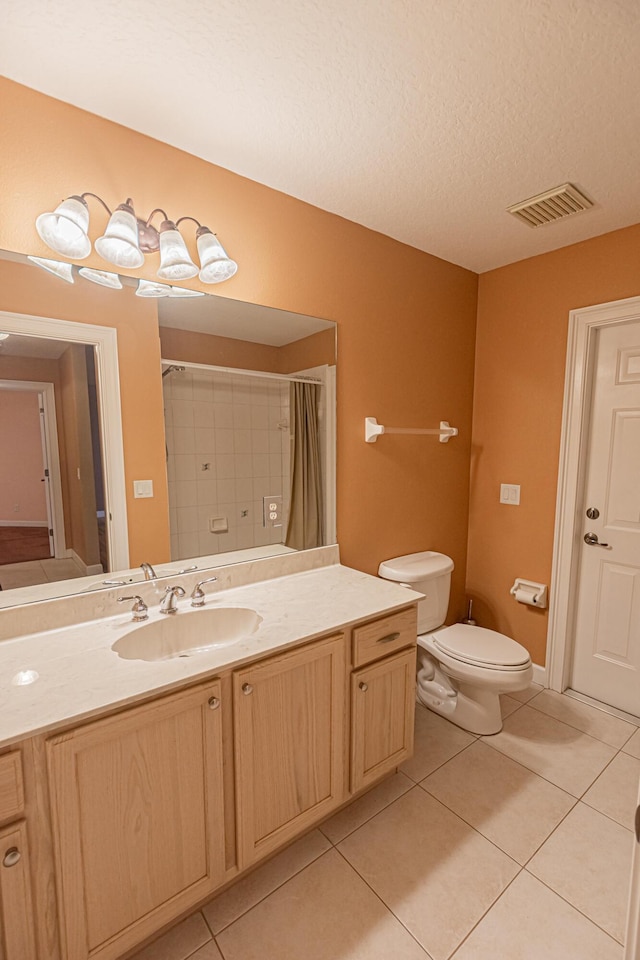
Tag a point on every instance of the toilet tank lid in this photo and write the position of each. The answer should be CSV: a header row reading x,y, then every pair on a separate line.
x,y
416,566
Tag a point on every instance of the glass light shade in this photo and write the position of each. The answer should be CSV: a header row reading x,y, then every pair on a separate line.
x,y
4,336
103,277
215,265
66,229
119,243
185,292
175,262
56,267
148,288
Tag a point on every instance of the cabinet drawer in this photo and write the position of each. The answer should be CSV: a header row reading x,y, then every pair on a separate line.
x,y
384,636
11,792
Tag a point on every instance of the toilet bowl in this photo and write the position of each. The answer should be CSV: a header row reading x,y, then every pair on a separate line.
x,y
462,669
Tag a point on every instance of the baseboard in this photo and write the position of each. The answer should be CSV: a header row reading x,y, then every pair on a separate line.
x,y
89,570
540,675
24,523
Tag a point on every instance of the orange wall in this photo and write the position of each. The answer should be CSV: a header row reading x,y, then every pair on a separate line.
x,y
221,351
406,319
33,292
519,381
312,351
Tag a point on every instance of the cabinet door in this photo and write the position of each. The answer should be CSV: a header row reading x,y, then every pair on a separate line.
x,y
16,922
138,820
382,712
290,744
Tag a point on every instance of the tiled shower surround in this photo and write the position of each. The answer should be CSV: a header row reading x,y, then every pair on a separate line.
x,y
227,448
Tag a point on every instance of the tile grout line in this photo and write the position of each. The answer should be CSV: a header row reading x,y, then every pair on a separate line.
x,y
385,905
579,729
489,908
262,899
574,907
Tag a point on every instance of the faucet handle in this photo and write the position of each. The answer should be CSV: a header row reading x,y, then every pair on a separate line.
x,y
139,609
198,594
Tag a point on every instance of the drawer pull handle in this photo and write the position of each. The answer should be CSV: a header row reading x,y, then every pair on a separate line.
x,y
11,857
247,689
390,637
363,686
213,703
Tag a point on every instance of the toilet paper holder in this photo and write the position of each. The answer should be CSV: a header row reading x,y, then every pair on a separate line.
x,y
528,591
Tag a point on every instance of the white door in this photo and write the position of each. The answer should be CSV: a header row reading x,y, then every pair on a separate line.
x,y
632,940
46,470
606,654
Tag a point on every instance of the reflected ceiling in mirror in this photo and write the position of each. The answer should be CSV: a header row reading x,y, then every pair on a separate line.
x,y
230,447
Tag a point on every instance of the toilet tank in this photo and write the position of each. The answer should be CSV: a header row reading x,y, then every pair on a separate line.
x,y
429,573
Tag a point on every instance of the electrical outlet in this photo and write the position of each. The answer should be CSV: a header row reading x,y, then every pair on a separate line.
x,y
272,511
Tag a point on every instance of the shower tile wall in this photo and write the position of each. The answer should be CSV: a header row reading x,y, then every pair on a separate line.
x,y
227,448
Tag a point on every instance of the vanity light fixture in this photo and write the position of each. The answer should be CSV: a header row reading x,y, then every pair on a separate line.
x,y
102,277
56,267
128,238
4,336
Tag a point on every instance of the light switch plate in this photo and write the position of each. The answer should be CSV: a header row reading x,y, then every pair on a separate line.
x,y
142,489
510,494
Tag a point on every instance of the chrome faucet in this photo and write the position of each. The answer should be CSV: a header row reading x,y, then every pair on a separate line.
x,y
169,604
198,594
149,572
139,609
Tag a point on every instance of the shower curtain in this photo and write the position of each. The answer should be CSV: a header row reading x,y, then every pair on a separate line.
x,y
304,529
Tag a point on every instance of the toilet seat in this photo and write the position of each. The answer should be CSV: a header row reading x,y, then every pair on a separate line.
x,y
480,647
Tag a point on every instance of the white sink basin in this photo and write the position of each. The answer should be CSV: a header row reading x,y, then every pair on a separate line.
x,y
187,633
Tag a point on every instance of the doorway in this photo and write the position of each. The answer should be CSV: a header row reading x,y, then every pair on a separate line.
x,y
594,632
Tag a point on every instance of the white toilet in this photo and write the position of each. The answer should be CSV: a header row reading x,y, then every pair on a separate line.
x,y
462,669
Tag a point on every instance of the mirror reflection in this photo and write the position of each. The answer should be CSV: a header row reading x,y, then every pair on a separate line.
x,y
248,395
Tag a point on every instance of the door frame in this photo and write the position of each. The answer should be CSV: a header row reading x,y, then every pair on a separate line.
x,y
46,390
105,342
583,325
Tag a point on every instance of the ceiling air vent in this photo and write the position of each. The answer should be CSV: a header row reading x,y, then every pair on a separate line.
x,y
553,205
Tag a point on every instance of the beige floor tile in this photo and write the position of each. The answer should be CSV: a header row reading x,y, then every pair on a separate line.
x,y
559,753
434,872
357,813
511,806
508,705
590,720
587,861
326,912
180,942
527,694
244,894
208,952
15,579
615,792
632,746
436,741
530,922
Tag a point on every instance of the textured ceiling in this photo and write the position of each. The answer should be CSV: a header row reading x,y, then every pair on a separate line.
x,y
423,119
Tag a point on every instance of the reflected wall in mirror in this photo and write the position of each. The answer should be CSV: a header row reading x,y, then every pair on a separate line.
x,y
215,437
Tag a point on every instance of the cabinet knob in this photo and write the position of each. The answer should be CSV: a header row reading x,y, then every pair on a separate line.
x,y
247,689
363,686
213,702
11,857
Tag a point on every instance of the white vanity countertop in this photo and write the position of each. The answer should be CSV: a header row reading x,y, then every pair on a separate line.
x,y
80,675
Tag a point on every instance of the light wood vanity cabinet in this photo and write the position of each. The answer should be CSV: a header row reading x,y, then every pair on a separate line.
x,y
382,696
137,819
289,744
17,940
156,807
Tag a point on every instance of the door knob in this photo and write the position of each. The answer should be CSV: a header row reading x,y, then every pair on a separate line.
x,y
593,513
11,857
247,689
592,540
363,686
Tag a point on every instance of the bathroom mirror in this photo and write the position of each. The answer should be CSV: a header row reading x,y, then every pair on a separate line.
x,y
232,376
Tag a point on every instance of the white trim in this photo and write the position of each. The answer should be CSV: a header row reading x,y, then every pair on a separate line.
x,y
24,523
51,429
105,341
582,325
603,707
540,675
90,570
